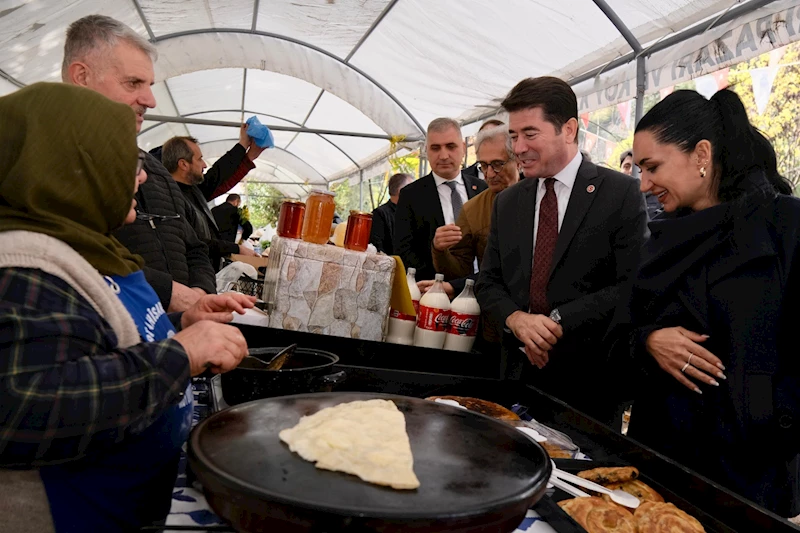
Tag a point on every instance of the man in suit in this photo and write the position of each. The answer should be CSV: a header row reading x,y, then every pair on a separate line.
x,y
474,170
561,245
227,217
382,234
434,200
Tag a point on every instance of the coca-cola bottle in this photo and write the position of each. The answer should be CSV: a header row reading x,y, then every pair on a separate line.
x,y
464,315
401,325
433,316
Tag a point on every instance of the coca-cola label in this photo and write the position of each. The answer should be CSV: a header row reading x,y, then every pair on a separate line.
x,y
433,319
464,325
394,313
416,306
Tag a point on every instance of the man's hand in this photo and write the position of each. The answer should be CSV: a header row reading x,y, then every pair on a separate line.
x,y
244,138
244,250
217,308
425,285
254,151
446,236
537,332
183,297
211,345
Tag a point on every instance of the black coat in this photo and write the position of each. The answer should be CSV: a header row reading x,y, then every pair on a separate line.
x,y
731,272
198,212
162,235
596,253
227,217
382,234
419,213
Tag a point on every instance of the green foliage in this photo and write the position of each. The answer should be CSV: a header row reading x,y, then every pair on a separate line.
x,y
264,204
408,164
780,121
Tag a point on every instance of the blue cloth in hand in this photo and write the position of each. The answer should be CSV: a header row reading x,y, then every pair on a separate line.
x,y
260,133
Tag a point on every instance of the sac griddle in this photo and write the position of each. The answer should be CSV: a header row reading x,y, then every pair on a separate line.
x,y
476,473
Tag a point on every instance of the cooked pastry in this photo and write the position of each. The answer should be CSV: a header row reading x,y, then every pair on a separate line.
x,y
665,518
638,488
555,452
599,516
364,438
481,406
604,476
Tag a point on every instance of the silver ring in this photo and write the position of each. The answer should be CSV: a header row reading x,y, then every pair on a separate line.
x,y
685,367
689,361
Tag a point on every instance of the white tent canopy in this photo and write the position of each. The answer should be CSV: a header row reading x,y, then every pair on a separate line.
x,y
385,68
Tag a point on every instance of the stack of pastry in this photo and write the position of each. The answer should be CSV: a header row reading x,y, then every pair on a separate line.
x,y
601,515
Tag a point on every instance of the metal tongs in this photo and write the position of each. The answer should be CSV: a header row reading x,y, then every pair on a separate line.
x,y
560,479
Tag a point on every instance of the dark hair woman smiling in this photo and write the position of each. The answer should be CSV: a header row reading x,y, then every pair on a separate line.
x,y
708,329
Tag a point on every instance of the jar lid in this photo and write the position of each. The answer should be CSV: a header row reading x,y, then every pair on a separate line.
x,y
321,191
295,202
360,213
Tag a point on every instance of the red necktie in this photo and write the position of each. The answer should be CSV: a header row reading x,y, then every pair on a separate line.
x,y
546,237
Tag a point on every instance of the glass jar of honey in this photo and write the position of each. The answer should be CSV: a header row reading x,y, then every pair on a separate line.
x,y
319,216
290,222
359,226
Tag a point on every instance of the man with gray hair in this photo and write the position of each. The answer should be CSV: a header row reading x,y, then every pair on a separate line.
x,y
106,56
456,249
382,233
434,200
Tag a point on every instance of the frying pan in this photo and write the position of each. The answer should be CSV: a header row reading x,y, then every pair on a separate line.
x,y
476,473
305,371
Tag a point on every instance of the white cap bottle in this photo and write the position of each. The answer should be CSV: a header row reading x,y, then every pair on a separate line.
x,y
401,326
464,315
433,317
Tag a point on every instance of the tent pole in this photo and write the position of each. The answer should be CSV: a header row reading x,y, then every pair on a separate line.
x,y
360,189
641,81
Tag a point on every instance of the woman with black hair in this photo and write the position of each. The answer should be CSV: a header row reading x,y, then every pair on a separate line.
x,y
712,311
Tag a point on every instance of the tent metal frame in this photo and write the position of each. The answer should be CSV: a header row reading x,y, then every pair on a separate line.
x,y
637,54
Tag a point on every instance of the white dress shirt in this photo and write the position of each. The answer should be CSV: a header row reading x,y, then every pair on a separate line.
x,y
563,189
444,195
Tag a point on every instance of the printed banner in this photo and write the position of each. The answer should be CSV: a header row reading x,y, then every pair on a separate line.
x,y
766,29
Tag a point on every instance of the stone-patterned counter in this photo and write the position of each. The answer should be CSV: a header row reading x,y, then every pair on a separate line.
x,y
329,290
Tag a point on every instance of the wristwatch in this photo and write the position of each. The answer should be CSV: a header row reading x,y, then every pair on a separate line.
x,y
555,316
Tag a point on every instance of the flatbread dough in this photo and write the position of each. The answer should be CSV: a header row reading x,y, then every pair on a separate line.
x,y
365,438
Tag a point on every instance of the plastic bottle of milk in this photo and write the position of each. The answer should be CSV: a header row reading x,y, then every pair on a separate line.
x,y
433,317
464,315
412,288
401,326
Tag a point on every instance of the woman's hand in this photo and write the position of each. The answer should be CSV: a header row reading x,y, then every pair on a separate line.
x,y
211,345
677,352
217,308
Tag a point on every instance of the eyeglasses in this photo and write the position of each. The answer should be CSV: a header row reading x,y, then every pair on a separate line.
x,y
497,165
140,163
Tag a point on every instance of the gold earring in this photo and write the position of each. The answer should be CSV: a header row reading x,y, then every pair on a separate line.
x,y
702,172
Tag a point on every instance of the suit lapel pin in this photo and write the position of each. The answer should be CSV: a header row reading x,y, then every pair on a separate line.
x,y
590,189
474,187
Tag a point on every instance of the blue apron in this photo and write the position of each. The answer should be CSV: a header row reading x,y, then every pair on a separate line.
x,y
128,485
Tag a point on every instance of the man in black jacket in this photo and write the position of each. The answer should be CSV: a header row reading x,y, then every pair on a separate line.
x,y
227,217
106,56
562,244
183,159
382,233
434,200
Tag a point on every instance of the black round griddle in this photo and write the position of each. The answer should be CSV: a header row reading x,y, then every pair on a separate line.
x,y
476,473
